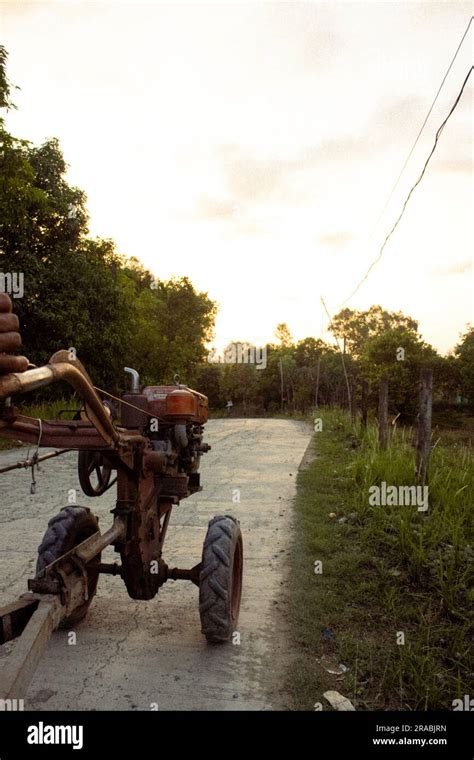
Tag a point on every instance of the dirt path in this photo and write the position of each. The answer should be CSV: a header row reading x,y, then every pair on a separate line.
x,y
129,654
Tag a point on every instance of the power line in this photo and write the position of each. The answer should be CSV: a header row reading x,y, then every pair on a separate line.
x,y
422,127
438,134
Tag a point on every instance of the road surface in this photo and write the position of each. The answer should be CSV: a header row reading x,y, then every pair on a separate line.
x,y
151,655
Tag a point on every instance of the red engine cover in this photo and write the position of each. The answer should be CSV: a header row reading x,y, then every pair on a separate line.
x,y
177,403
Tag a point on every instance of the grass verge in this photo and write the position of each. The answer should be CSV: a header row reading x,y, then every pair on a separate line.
x,y
389,575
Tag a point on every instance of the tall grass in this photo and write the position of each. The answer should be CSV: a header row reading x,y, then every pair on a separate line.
x,y
52,410
424,562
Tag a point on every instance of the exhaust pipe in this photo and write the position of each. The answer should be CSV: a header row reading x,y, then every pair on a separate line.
x,y
135,379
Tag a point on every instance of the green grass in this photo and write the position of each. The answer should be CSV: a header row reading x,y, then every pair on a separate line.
x,y
386,570
46,410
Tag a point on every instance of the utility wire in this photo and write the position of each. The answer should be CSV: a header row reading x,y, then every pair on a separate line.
x,y
438,134
422,127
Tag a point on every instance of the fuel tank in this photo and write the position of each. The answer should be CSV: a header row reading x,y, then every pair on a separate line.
x,y
176,403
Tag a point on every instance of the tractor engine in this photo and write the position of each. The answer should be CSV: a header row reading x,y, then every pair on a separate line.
x,y
172,418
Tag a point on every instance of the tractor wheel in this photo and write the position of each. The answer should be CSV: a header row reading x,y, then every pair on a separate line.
x,y
220,581
67,529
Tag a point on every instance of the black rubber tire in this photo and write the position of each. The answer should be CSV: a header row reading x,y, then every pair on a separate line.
x,y
65,531
220,581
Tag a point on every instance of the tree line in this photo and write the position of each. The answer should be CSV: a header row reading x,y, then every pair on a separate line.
x,y
375,343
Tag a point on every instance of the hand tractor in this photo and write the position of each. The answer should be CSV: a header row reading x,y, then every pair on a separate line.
x,y
149,444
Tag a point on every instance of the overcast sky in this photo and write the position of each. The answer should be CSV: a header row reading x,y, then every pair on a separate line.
x,y
252,146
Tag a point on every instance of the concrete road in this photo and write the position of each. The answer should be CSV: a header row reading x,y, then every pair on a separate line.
x,y
142,655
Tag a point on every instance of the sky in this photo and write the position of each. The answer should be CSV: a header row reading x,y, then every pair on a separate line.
x,y
252,147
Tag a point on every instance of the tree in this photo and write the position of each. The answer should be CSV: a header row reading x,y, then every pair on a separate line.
x,y
171,326
239,383
5,85
356,327
206,379
309,350
72,297
398,354
283,335
78,292
464,353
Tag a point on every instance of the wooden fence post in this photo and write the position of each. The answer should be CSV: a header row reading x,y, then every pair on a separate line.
x,y
364,403
423,447
383,412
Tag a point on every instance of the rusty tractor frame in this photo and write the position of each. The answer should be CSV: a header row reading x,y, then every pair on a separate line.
x,y
154,471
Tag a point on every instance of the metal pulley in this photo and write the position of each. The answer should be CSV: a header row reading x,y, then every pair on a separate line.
x,y
94,473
